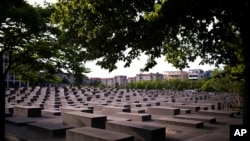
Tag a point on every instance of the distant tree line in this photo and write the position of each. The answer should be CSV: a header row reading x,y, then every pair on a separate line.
x,y
219,81
174,84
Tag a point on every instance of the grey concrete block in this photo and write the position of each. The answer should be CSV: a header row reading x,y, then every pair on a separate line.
x,y
81,119
94,134
134,116
206,119
217,113
163,110
180,122
140,131
50,128
107,110
27,111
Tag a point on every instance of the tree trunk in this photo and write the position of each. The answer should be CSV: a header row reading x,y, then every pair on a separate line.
x,y
2,99
246,45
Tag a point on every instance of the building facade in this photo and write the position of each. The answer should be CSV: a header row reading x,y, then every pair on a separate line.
x,y
131,79
12,79
181,75
196,74
108,82
121,80
95,81
149,77
85,80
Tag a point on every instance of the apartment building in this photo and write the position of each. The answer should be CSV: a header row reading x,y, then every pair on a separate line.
x,y
181,75
108,82
121,80
95,81
85,80
12,79
131,79
196,74
149,77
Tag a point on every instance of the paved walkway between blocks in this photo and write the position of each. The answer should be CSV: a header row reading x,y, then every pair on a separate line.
x,y
217,131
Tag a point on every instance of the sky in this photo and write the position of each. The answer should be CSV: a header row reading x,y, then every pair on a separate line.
x,y
135,66
40,1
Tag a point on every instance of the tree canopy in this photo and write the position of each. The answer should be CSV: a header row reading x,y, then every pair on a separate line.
x,y
28,40
29,46
182,30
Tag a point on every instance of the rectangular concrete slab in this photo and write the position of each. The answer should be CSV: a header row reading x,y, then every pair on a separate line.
x,y
71,109
112,118
51,112
206,119
109,110
216,113
140,131
138,110
20,121
134,116
185,111
209,105
82,119
94,134
27,111
180,122
7,114
53,129
193,108
163,110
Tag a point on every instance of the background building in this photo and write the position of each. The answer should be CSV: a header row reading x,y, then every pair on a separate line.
x,y
181,75
195,74
108,82
12,79
95,81
131,79
121,80
149,77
